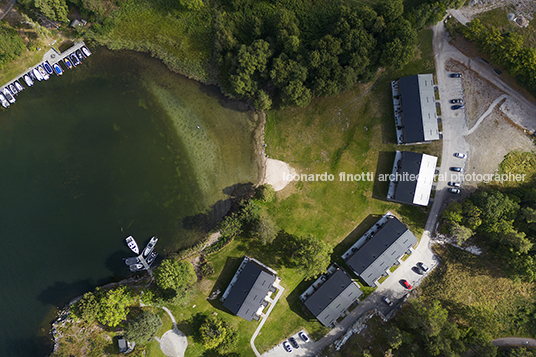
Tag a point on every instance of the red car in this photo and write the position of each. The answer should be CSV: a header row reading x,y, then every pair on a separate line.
x,y
406,284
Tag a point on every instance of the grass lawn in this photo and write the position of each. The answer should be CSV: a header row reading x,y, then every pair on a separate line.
x,y
361,139
185,35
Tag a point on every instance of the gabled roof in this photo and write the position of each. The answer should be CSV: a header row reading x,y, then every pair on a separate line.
x,y
419,108
333,297
416,191
249,290
381,251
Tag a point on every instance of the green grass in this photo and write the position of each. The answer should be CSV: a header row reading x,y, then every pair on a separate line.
x,y
359,140
187,36
499,19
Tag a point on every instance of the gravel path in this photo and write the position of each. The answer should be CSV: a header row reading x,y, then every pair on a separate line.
x,y
173,343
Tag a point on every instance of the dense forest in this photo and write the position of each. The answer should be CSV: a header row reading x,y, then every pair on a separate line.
x,y
504,217
276,53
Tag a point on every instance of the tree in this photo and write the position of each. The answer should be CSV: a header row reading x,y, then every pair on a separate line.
x,y
174,275
143,327
53,9
461,233
11,45
265,193
263,101
265,229
308,253
113,305
394,337
86,308
192,4
215,333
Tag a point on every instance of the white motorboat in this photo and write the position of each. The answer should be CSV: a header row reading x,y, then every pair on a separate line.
x,y
28,80
150,246
151,258
132,261
86,51
136,267
132,244
18,86
8,95
44,73
37,75
4,101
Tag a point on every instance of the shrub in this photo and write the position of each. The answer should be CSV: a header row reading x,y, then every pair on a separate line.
x,y
265,193
142,328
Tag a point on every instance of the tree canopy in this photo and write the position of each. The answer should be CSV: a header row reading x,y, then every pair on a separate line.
x,y
143,327
175,275
108,307
11,45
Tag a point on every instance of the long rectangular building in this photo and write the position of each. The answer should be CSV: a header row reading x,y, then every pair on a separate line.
x,y
332,295
412,178
248,292
415,109
386,245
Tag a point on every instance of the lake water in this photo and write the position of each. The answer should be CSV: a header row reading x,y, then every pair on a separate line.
x,y
118,146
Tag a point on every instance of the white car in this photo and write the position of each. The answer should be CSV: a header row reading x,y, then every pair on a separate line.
x,y
460,155
287,347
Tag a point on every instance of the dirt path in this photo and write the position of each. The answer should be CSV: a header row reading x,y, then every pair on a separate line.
x,y
6,9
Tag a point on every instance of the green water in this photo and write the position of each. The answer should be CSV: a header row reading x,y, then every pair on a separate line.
x,y
118,146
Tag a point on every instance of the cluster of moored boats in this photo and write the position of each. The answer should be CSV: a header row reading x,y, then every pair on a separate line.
x,y
147,256
40,73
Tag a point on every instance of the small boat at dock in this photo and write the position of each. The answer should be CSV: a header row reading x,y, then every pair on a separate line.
x,y
47,67
28,80
8,95
57,69
37,75
43,73
132,261
4,101
86,51
68,63
13,90
136,267
74,59
151,258
150,246
19,87
132,244
79,54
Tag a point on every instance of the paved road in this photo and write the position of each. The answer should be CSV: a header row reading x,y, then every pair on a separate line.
x,y
272,305
6,9
514,341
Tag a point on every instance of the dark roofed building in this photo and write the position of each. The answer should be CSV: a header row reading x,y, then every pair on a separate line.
x,y
412,178
415,109
251,285
331,295
384,248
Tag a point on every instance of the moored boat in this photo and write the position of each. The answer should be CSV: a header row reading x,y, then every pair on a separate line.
x,y
132,261
8,95
37,75
57,69
132,244
86,51
68,63
151,258
150,246
19,87
4,101
136,267
47,67
43,73
74,59
79,54
13,90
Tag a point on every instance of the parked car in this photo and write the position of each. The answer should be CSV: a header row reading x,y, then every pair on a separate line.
x,y
456,169
454,184
498,71
406,284
417,270
454,190
455,75
293,342
387,301
457,106
460,155
422,266
287,347
304,336
455,101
